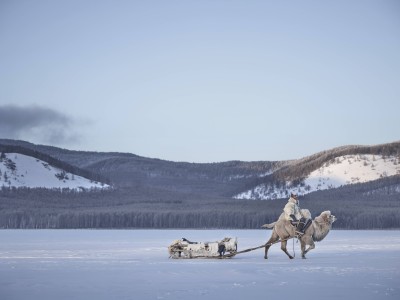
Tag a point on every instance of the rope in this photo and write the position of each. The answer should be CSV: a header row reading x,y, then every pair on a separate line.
x,y
294,252
255,248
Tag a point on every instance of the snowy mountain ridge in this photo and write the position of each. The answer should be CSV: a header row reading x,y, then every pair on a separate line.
x,y
231,179
19,170
343,170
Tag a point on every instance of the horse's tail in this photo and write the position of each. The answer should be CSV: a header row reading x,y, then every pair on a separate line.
x,y
271,225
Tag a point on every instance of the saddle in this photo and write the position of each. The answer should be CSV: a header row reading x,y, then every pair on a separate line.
x,y
301,225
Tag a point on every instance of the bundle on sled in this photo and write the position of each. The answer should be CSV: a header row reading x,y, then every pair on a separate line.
x,y
184,248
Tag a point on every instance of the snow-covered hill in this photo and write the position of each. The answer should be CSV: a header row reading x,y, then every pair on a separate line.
x,y
342,170
18,170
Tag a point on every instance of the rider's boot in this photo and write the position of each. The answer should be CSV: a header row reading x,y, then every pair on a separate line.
x,y
294,221
300,228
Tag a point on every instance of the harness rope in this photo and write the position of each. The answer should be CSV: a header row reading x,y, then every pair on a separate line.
x,y
245,250
294,252
262,246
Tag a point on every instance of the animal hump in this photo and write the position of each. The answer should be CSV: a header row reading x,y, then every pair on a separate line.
x,y
305,213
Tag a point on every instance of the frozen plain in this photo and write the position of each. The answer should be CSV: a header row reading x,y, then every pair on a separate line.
x,y
134,264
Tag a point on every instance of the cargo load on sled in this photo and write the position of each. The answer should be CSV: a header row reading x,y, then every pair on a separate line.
x,y
184,248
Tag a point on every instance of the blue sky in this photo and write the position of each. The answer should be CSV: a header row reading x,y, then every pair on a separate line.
x,y
200,81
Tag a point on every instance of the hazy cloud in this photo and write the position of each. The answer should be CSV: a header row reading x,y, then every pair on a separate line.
x,y
37,123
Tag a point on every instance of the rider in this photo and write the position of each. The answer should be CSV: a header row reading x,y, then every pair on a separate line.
x,y
292,214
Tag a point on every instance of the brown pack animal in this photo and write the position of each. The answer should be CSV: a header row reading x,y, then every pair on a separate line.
x,y
283,230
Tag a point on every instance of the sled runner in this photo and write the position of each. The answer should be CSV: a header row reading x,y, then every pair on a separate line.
x,y
184,248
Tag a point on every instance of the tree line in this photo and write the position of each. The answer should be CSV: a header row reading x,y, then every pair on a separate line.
x,y
360,206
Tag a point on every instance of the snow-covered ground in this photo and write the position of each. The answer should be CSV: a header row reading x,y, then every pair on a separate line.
x,y
134,264
341,171
18,170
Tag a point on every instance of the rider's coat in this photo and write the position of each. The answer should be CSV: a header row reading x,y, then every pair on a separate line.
x,y
292,208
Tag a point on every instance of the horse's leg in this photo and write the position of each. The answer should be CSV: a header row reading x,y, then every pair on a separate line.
x,y
283,247
273,239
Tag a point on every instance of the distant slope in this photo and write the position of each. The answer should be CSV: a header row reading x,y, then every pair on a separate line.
x,y
328,169
18,170
153,193
232,179
129,170
25,148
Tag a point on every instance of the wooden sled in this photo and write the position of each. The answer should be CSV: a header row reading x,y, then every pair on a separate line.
x,y
183,248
